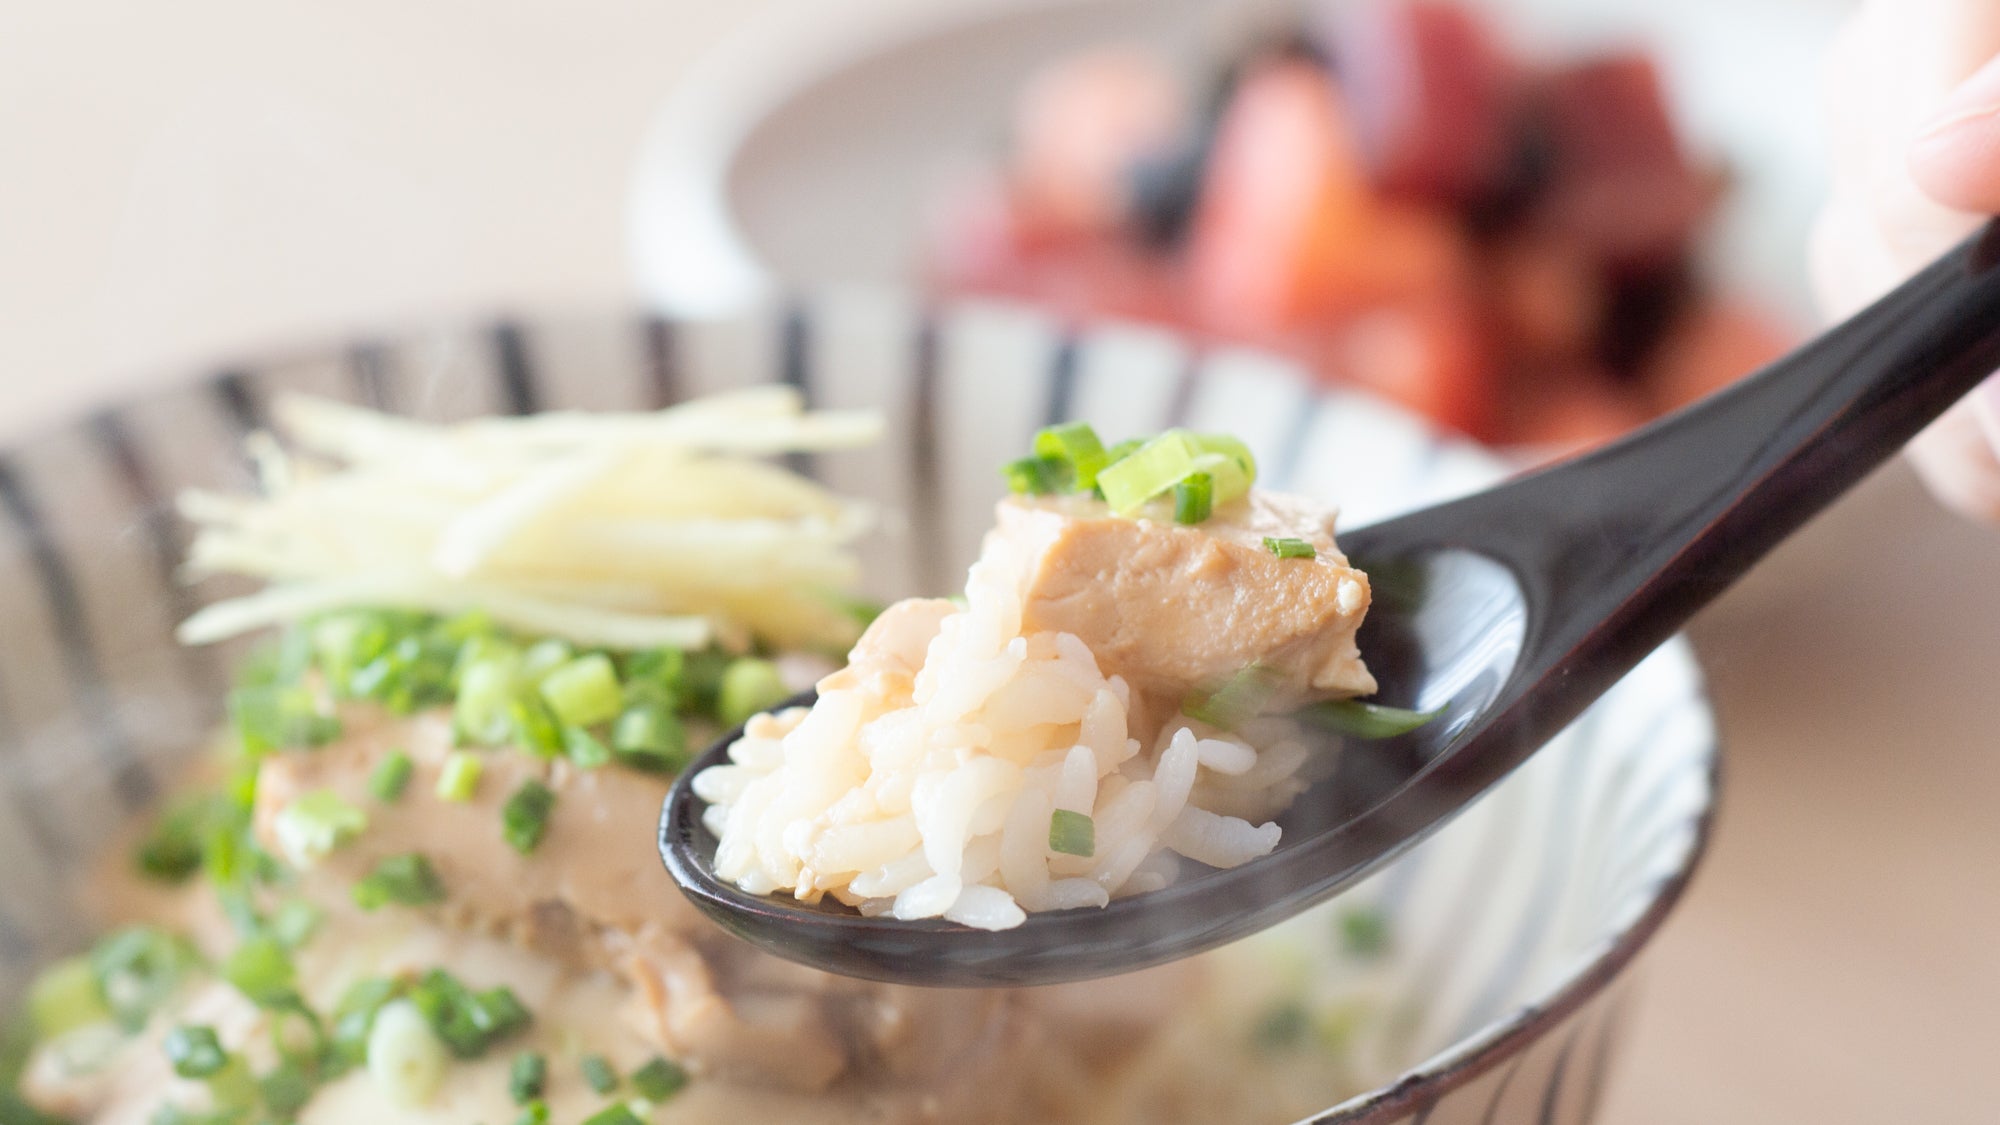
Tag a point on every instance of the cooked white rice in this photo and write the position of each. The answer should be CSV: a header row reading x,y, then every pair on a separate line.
x,y
922,783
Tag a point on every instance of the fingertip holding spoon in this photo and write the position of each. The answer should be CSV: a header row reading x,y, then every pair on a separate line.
x,y
1521,605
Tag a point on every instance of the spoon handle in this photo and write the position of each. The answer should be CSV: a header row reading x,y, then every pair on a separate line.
x,y
1626,543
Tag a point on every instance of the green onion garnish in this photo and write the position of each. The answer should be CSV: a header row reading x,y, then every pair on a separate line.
x,y
613,1114
584,691
1365,720
467,1022
172,850
1072,833
583,748
390,776
316,823
535,728
137,969
286,1089
1036,476
262,970
598,1075
1147,471
294,923
487,688
1194,498
748,686
1289,548
406,880
1284,1027
534,1113
1364,931
1075,445
648,737
195,1051
1240,699
405,1057
278,717
658,1080
65,996
460,776
354,1016
528,1077
525,816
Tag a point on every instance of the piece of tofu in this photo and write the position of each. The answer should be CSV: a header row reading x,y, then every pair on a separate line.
x,y
1176,609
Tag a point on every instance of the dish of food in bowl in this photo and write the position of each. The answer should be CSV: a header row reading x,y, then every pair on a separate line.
x,y
536,925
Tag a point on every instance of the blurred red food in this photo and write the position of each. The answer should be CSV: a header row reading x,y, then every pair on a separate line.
x,y
1289,230
1430,356
1620,185
1431,95
1082,123
1399,202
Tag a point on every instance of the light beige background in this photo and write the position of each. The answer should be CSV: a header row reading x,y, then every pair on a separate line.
x,y
182,182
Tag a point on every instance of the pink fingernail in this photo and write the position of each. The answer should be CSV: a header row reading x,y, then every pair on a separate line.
x,y
1976,97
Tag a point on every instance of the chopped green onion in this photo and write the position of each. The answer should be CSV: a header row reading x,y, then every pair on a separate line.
x,y
656,667
1230,447
172,851
65,996
286,1089
262,970
194,1051
1148,471
314,824
1194,498
297,1033
598,1075
525,816
658,1080
391,776
405,1058
467,1022
1231,482
534,727
528,1077
406,880
294,923
1240,699
614,1114
1036,476
1076,445
534,1113
1289,548
355,1015
543,657
137,969
279,717
701,679
459,778
584,749
1072,833
1365,720
584,691
487,688
1364,931
648,737
1284,1027
748,687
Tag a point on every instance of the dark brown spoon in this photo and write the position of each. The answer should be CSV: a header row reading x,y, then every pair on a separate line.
x,y
1510,610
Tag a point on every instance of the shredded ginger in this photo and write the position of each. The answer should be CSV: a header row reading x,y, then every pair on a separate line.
x,y
615,530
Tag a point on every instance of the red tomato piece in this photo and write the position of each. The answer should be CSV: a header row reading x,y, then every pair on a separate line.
x,y
1431,92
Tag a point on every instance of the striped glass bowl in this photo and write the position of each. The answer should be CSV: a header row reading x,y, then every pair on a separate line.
x,y
1512,926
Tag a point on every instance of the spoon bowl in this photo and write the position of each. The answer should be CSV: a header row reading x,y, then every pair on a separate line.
x,y
1508,612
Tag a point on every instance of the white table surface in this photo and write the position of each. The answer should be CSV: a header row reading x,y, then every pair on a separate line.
x,y
180,182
